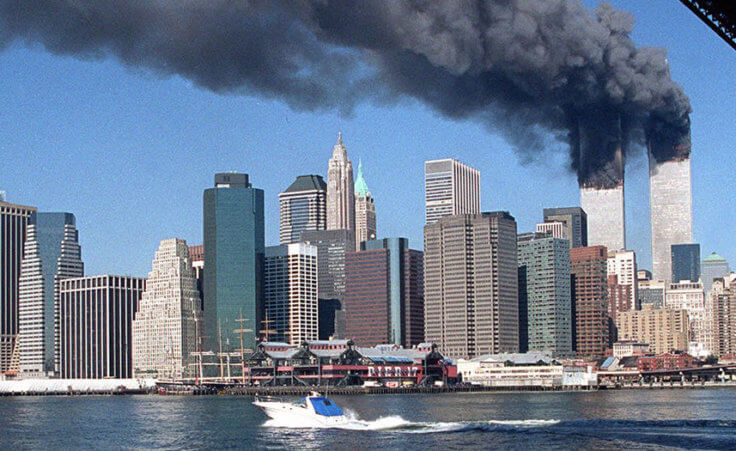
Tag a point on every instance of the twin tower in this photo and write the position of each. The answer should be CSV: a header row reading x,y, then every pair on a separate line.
x,y
670,208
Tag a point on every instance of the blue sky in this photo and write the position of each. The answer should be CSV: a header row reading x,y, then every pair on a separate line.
x,y
130,153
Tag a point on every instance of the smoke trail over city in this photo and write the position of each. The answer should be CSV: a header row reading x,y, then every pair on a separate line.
x,y
535,71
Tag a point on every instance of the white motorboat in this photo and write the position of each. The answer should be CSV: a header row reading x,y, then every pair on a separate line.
x,y
313,410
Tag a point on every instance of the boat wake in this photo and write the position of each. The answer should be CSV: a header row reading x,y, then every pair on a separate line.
x,y
398,424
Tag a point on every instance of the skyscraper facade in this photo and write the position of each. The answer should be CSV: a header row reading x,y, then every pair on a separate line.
x,y
13,224
471,304
52,253
196,255
544,287
365,210
450,188
670,205
663,329
384,297
722,315
574,223
685,262
168,320
291,292
233,261
332,245
340,190
96,326
606,216
622,264
302,207
689,296
588,267
713,267
651,292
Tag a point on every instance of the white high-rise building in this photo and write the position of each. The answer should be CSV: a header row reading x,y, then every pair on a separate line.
x,y
450,188
622,263
606,216
291,292
52,253
365,210
690,296
670,204
168,322
340,195
555,228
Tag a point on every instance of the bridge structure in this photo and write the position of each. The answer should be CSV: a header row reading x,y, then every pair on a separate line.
x,y
719,15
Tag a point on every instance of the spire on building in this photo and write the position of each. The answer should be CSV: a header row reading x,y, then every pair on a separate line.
x,y
361,188
339,150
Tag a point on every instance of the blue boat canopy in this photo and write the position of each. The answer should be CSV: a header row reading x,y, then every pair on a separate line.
x,y
325,407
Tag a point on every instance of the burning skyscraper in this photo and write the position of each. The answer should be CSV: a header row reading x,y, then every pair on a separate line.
x,y
670,200
597,142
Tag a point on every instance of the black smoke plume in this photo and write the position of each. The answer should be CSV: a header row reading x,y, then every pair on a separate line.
x,y
522,67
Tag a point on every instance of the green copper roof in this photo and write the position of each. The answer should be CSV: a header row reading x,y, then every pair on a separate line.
x,y
714,258
307,183
361,188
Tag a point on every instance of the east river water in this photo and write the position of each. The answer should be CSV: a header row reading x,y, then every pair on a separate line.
x,y
626,419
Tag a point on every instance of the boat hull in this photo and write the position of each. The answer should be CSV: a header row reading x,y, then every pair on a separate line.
x,y
297,416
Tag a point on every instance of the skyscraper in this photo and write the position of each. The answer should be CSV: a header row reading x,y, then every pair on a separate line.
x,y
622,264
52,253
450,188
233,260
196,255
588,267
332,245
302,207
722,316
574,222
168,321
13,224
471,304
96,326
365,210
670,206
689,296
384,297
606,215
291,292
685,262
713,267
340,190
544,288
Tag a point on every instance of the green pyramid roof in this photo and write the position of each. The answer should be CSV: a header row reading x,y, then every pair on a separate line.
x,y
714,258
307,183
361,188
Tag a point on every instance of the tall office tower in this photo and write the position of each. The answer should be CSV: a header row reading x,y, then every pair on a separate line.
x,y
365,210
574,221
670,205
588,267
663,329
722,316
233,261
196,256
651,292
713,267
302,207
544,288
599,145
51,253
689,296
450,188
685,262
622,264
13,223
340,190
291,292
332,245
384,297
96,326
471,286
555,229
168,321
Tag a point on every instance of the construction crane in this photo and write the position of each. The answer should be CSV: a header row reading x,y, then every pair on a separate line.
x,y
719,15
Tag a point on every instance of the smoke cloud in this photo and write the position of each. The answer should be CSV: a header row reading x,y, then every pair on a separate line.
x,y
528,69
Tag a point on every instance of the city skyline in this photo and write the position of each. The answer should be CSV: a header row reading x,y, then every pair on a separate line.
x,y
301,139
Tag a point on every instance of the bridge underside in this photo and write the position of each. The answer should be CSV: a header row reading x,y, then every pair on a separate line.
x,y
719,15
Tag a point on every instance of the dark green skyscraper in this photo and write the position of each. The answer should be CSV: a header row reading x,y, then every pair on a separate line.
x,y
233,261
